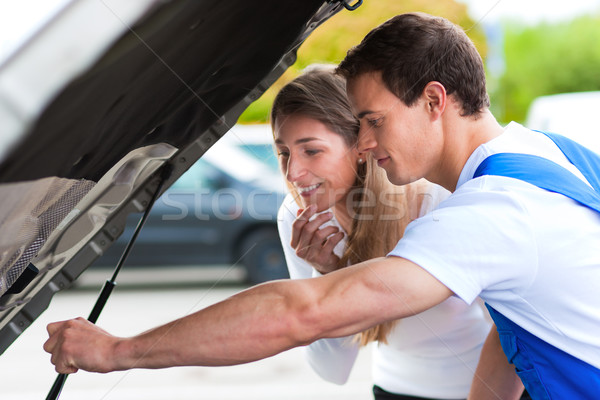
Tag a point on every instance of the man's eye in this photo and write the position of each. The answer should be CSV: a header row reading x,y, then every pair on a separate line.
x,y
374,122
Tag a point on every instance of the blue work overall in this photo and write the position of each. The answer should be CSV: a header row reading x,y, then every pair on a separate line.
x,y
546,371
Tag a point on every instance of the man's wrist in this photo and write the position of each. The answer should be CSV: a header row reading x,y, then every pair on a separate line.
x,y
123,355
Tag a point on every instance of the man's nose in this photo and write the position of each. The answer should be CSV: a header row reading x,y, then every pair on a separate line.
x,y
366,139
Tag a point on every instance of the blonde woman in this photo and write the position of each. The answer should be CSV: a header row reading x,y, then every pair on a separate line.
x,y
342,210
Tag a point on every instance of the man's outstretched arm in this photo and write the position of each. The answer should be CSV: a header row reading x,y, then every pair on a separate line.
x,y
256,323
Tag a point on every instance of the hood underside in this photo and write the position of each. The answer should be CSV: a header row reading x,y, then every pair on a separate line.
x,y
100,102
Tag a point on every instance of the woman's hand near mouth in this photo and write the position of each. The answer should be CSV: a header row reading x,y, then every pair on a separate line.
x,y
313,243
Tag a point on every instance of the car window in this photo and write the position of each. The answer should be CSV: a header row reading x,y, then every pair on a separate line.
x,y
232,159
264,153
201,175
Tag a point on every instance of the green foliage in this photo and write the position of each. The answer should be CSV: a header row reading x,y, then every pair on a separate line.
x,y
330,42
547,59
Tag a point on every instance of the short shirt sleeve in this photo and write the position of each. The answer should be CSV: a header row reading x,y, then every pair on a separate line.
x,y
478,240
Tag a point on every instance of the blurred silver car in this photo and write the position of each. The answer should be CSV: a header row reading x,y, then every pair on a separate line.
x,y
222,211
573,115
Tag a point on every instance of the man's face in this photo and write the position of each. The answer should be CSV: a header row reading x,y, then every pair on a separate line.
x,y
402,139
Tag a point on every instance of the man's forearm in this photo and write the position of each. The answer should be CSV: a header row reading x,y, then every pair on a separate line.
x,y
276,316
257,323
251,325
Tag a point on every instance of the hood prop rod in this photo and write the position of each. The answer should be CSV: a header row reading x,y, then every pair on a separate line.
x,y
109,285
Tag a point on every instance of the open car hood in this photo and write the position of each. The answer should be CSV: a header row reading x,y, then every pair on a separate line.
x,y
102,100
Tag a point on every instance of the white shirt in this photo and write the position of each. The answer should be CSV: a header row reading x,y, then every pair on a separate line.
x,y
531,254
433,354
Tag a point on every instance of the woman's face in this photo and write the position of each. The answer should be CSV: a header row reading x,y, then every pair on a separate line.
x,y
315,160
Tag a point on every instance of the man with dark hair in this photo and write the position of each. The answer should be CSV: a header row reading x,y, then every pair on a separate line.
x,y
521,231
411,50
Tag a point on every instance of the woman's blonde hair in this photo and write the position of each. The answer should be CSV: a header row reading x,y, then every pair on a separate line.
x,y
380,214
380,210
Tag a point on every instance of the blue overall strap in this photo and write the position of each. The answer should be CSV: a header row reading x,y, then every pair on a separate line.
x,y
586,161
543,173
546,371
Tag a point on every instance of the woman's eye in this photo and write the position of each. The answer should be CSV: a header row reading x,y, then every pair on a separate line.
x,y
311,152
283,154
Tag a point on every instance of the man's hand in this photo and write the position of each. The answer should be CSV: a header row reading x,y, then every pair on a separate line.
x,y
78,344
313,243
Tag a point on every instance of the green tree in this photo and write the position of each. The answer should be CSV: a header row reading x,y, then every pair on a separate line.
x,y
330,42
546,59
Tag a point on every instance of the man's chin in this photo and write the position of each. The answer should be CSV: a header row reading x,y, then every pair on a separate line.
x,y
399,180
393,178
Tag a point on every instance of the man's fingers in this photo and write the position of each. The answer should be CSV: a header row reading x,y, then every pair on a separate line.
x,y
54,346
49,345
53,327
61,363
65,370
61,341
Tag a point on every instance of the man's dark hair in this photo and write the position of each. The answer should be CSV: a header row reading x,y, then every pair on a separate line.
x,y
411,50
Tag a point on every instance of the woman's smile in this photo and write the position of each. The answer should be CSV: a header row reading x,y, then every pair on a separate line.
x,y
308,191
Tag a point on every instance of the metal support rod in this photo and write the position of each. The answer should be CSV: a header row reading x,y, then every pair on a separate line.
x,y
110,284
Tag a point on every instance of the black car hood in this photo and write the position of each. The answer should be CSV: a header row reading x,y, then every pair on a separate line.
x,y
99,101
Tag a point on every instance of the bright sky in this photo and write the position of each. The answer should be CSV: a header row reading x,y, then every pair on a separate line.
x,y
19,18
529,11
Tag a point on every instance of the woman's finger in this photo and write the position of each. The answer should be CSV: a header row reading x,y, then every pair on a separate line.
x,y
301,220
310,246
306,236
320,235
330,244
302,231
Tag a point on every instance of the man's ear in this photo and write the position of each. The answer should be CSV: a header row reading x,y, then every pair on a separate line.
x,y
434,95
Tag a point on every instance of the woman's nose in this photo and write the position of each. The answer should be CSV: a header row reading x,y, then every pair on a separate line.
x,y
295,169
